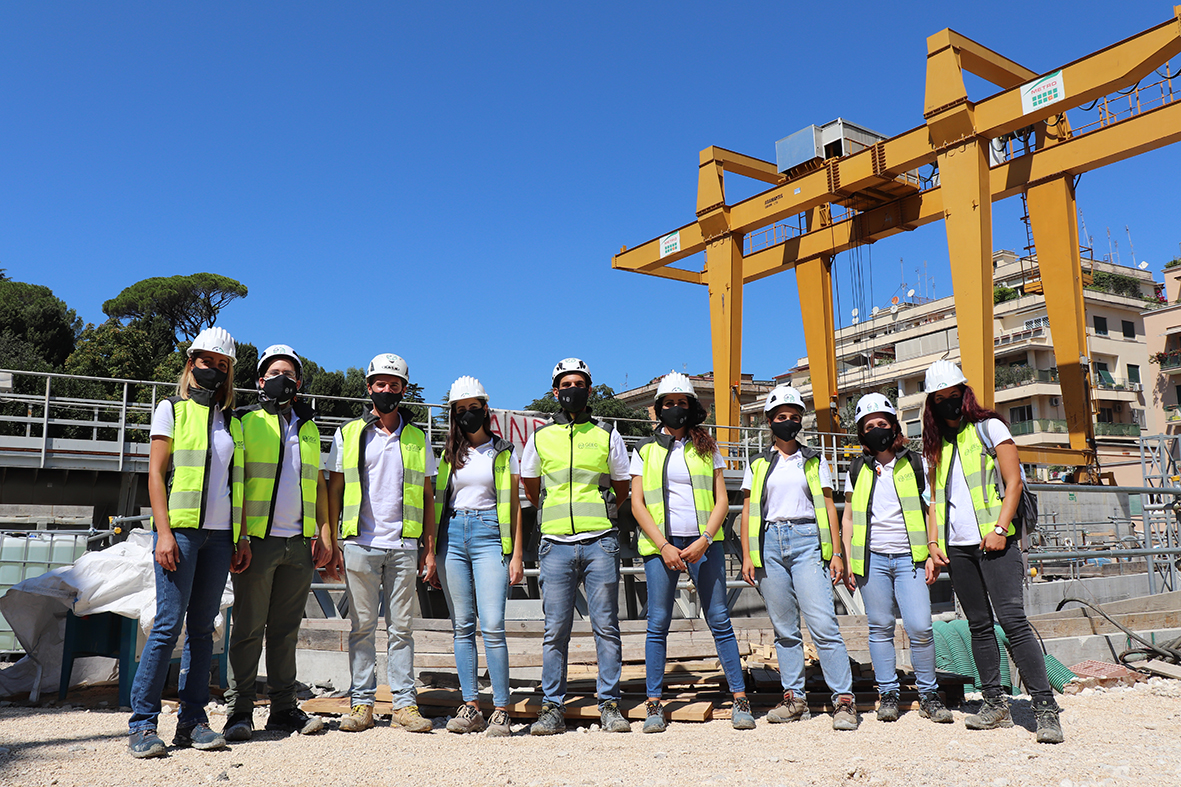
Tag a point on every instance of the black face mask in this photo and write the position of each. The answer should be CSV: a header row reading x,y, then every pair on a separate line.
x,y
674,417
471,421
280,389
209,379
950,409
573,400
786,430
385,401
879,439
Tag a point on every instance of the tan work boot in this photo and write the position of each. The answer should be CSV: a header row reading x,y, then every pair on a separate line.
x,y
844,715
411,719
467,719
360,718
792,708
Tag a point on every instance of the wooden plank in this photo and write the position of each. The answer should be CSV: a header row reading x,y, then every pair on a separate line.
x,y
1163,668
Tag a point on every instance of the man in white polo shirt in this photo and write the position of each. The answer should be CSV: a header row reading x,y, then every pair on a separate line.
x,y
381,491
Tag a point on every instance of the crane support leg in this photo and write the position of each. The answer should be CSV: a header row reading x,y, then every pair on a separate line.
x,y
723,273
814,282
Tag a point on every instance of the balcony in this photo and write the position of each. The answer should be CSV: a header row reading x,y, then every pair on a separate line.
x,y
1105,382
1051,425
1015,376
1170,362
1117,430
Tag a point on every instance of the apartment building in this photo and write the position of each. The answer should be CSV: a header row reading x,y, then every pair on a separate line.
x,y
1163,329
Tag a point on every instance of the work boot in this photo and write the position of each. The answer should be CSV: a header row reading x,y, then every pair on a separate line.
x,y
294,720
888,707
239,727
611,719
551,720
1049,726
410,718
146,743
360,718
467,719
655,720
931,707
792,708
740,717
199,736
844,715
498,725
994,713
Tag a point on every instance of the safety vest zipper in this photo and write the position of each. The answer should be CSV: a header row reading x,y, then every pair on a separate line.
x,y
278,473
571,483
208,465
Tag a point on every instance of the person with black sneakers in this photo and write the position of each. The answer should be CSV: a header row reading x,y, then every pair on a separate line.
x,y
975,472
286,504
886,538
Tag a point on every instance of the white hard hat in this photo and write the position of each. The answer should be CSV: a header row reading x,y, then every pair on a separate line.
x,y
214,340
467,388
783,394
873,403
279,351
943,374
675,382
567,365
388,363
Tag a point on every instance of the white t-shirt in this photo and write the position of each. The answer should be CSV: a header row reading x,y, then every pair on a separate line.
x,y
887,526
963,530
379,523
288,519
218,503
787,492
682,513
617,467
473,486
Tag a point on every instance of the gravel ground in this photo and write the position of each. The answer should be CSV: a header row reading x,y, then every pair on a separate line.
x,y
1121,736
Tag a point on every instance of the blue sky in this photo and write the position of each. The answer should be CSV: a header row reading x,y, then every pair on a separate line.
x,y
448,181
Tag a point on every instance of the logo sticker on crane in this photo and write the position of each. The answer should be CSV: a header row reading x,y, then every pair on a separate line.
x,y
1040,92
670,244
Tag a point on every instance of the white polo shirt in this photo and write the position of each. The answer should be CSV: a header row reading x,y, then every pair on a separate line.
x,y
963,529
682,512
473,486
288,518
787,492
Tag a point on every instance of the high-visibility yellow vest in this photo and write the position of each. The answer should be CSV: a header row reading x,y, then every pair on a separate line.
x,y
192,453
266,444
575,475
413,447
760,468
503,481
906,484
656,451
979,470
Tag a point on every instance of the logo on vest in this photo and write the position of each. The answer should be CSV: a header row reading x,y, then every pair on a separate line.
x,y
585,446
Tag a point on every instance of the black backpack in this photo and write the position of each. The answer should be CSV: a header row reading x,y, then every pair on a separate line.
x,y
1026,515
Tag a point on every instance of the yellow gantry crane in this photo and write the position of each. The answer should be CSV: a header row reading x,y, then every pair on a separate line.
x,y
880,196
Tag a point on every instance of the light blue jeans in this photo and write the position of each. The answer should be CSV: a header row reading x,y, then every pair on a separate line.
x,y
793,579
709,576
896,581
473,570
563,567
369,573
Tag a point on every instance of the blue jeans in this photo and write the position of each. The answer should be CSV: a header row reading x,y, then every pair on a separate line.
x,y
473,570
793,579
369,572
709,576
563,566
186,598
897,580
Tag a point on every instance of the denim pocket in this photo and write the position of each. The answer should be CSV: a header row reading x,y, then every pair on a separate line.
x,y
488,519
544,547
806,529
610,544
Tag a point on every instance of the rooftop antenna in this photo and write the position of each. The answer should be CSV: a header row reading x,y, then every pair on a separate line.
x,y
1110,252
1130,246
1090,241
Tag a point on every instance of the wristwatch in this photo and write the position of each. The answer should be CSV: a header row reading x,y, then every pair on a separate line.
x,y
1000,531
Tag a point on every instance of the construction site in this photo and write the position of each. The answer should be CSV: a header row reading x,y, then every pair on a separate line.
x,y
1099,447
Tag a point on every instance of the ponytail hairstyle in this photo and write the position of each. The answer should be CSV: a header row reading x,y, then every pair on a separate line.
x,y
899,441
455,449
934,426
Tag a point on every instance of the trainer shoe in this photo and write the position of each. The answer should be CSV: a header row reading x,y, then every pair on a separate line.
x,y
199,736
498,725
888,706
931,707
844,715
993,714
1049,726
611,719
411,719
551,720
238,727
792,708
655,716
146,743
740,717
360,718
467,719
294,720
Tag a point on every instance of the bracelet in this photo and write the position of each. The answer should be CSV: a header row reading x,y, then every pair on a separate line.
x,y
666,544
933,541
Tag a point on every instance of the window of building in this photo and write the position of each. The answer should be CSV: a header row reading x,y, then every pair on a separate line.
x,y
1129,329
1100,325
1022,413
1106,416
914,429
1133,373
922,385
1138,417
1037,322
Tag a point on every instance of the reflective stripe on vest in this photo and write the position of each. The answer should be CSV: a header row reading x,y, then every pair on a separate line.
x,y
907,487
501,477
266,443
575,475
191,457
412,446
761,467
978,467
656,456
